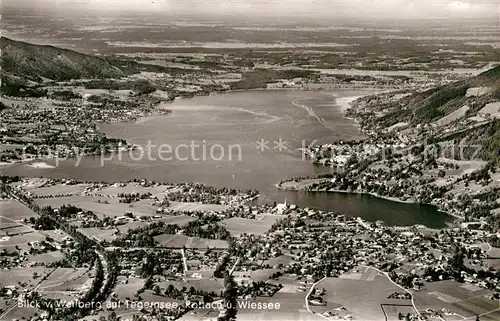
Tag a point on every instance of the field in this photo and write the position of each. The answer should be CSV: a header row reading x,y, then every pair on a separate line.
x,y
493,259
292,304
179,241
20,240
21,313
205,284
14,229
491,109
177,219
59,189
258,275
23,276
14,210
392,311
102,206
13,232
464,300
131,225
125,311
192,207
362,293
111,191
98,233
47,258
7,223
65,283
237,226
206,273
302,184
466,167
56,235
457,114
65,279
128,290
132,188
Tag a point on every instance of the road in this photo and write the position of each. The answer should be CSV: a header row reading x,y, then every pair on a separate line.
x,y
368,267
307,300
399,286
234,266
184,261
99,251
14,305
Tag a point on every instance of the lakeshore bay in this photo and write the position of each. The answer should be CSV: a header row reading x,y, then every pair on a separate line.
x,y
242,119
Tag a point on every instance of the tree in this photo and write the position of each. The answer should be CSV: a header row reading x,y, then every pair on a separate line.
x,y
457,261
230,296
148,284
157,290
170,290
112,316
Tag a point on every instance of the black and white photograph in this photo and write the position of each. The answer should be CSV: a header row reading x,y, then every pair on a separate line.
x,y
250,160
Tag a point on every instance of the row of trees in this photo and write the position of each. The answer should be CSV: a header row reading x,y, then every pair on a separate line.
x,y
104,279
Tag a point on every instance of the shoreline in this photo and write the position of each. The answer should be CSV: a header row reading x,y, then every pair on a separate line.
x,y
152,114
41,165
159,111
387,198
344,103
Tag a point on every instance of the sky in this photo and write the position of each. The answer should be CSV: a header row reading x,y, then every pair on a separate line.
x,y
384,9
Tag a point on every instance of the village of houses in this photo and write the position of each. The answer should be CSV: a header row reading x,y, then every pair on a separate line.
x,y
313,264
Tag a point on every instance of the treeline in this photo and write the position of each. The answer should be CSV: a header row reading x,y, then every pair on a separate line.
x,y
50,219
144,236
204,227
430,108
230,298
140,87
133,197
101,285
196,192
152,264
65,95
14,89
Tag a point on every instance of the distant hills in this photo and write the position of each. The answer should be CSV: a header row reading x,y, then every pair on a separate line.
x,y
21,62
457,112
433,104
24,66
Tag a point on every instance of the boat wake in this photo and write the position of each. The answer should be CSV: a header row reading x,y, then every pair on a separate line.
x,y
270,118
311,112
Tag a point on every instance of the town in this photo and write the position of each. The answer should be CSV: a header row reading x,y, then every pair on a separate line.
x,y
60,118
450,162
64,240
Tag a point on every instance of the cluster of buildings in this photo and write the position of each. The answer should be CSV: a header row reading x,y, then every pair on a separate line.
x,y
318,244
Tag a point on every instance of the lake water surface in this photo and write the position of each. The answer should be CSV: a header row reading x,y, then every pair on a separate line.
x,y
231,125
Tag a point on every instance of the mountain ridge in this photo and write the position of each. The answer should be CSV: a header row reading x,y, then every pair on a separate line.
x,y
24,62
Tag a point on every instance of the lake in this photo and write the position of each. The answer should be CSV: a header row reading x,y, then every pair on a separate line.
x,y
247,140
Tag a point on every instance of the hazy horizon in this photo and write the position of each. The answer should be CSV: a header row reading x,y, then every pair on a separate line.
x,y
321,9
